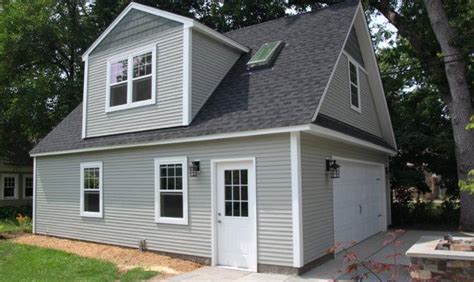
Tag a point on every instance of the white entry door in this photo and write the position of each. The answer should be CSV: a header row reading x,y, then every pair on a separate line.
x,y
236,234
359,196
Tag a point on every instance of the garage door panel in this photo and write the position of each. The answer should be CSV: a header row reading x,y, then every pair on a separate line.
x,y
358,197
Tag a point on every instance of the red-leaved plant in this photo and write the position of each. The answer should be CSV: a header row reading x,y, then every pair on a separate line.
x,y
353,263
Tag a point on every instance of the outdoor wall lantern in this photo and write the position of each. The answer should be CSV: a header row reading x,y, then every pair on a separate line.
x,y
194,169
332,168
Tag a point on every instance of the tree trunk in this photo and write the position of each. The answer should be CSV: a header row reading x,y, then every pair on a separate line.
x,y
458,102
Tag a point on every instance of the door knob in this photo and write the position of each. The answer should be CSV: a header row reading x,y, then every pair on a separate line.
x,y
219,221
219,214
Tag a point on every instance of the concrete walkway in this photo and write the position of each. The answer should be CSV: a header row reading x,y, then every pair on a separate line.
x,y
371,249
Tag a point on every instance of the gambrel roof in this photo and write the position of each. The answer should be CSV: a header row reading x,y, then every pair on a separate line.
x,y
286,95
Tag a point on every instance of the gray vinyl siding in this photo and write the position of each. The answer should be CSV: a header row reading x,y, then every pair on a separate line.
x,y
20,171
317,191
129,197
352,47
336,103
136,25
210,63
166,112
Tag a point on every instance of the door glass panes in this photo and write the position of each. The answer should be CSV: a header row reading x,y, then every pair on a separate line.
x,y
236,192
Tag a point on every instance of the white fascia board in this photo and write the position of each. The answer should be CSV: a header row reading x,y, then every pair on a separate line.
x,y
183,140
187,22
321,101
376,76
219,37
338,136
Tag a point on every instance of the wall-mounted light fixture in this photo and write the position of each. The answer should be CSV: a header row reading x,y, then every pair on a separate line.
x,y
332,168
194,168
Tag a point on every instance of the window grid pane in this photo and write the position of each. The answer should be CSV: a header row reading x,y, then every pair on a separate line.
x,y
118,71
9,187
171,190
91,186
236,193
142,65
28,186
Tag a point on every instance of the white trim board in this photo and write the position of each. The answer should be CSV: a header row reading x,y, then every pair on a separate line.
x,y
297,199
371,69
187,22
183,140
310,128
34,196
253,180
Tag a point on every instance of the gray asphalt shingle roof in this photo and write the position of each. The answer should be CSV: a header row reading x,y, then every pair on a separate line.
x,y
285,95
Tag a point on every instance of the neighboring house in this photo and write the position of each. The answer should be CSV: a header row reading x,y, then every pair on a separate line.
x,y
16,186
179,142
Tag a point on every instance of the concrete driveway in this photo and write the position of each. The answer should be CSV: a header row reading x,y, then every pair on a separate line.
x,y
370,249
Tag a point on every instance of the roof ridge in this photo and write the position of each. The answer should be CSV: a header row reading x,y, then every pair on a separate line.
x,y
292,16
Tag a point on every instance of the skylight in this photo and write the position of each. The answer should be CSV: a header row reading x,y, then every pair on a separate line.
x,y
265,55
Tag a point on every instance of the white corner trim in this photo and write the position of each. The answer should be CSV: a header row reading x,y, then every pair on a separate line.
x,y
183,140
101,190
34,196
187,76
187,22
321,101
185,174
84,97
335,135
296,199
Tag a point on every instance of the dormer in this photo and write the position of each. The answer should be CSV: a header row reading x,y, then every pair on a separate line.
x,y
152,69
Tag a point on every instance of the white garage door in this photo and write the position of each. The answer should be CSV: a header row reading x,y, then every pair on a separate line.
x,y
359,201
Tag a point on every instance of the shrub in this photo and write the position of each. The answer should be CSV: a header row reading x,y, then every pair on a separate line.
x,y
12,212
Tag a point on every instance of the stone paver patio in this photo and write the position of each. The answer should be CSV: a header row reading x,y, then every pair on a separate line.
x,y
370,249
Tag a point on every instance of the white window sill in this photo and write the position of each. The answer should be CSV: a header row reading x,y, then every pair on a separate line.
x,y
91,214
171,220
356,109
129,106
27,198
10,198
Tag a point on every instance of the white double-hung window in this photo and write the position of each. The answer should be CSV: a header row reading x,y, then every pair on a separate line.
x,y
91,189
171,190
354,88
131,79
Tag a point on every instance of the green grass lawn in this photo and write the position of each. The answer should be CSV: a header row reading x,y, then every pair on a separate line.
x,y
27,263
12,226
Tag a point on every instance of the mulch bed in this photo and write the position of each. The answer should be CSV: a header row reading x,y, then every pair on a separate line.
x,y
124,258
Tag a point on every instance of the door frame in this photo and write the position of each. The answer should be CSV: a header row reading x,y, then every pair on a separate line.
x,y
253,181
383,185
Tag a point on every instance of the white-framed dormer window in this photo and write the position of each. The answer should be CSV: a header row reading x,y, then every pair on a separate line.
x,y
27,186
171,190
91,189
9,186
131,79
354,87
